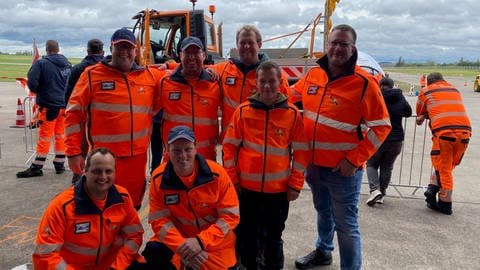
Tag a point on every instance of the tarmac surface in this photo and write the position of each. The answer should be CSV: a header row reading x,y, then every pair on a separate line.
x,y
400,234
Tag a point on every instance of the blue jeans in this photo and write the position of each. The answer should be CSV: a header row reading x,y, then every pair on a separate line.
x,y
335,198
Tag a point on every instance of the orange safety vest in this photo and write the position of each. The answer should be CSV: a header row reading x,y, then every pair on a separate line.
x,y
443,104
345,117
75,234
195,104
265,149
239,82
115,107
207,211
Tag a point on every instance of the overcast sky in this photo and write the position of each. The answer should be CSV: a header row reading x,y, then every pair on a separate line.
x,y
416,30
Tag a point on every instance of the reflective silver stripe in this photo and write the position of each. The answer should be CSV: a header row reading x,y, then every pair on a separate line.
x,y
42,249
223,226
270,149
300,146
62,265
188,119
44,139
233,141
376,123
110,107
72,129
230,163
112,138
330,122
185,221
206,220
372,137
134,228
448,114
202,144
335,146
80,250
164,230
253,146
158,215
232,103
268,176
132,245
228,211
435,103
74,107
59,136
299,167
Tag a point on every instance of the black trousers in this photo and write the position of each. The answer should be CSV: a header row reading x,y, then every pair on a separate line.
x,y
262,213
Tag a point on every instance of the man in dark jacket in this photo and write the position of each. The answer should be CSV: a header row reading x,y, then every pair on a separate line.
x,y
384,158
46,78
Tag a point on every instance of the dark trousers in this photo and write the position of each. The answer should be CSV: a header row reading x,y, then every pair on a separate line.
x,y
158,256
262,213
156,146
383,159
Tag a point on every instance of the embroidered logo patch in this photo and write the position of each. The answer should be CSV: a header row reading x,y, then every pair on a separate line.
x,y
230,81
83,227
108,85
174,95
171,199
312,90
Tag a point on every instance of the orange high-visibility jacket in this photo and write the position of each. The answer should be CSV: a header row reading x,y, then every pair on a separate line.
x,y
195,104
115,109
239,82
75,234
265,149
345,117
208,211
443,104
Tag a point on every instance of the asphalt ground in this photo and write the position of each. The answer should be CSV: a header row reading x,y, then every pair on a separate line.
x,y
400,234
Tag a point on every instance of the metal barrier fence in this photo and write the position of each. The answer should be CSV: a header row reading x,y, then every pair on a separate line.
x,y
30,130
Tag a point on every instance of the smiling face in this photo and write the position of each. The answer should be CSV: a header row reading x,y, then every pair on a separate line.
x,y
268,82
340,48
248,47
192,61
182,155
123,55
100,174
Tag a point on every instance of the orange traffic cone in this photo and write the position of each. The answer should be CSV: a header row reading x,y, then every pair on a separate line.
x,y
20,119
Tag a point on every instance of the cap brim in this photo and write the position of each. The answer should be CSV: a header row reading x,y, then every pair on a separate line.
x,y
191,44
181,136
124,41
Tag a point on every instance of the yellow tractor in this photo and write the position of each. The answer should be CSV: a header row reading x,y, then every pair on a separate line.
x,y
476,84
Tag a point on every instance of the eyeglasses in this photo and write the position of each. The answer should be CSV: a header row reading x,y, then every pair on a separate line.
x,y
341,44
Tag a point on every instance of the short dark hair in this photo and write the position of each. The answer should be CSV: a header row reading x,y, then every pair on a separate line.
x,y
386,81
434,77
51,46
102,150
270,65
95,46
346,28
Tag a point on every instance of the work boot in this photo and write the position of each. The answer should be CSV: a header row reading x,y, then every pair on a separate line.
x,y
59,167
444,207
314,258
431,196
30,172
374,197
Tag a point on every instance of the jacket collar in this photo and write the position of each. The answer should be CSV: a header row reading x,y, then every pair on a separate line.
x,y
323,63
281,102
170,179
177,75
84,205
247,68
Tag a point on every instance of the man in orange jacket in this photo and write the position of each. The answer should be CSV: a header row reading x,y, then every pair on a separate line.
x,y
193,210
451,130
91,225
265,155
112,106
346,121
192,98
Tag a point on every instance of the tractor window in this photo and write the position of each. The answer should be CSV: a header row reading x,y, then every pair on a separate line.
x,y
210,34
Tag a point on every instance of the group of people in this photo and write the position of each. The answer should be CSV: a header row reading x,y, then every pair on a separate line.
x,y
268,148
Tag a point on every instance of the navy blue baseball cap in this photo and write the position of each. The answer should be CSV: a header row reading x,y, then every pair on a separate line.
x,y
123,35
188,41
181,132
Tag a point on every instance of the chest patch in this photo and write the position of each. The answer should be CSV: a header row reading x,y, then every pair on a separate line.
x,y
171,199
312,90
108,85
83,227
174,95
230,81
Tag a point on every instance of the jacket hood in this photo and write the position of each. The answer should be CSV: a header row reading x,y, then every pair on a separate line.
x,y
58,59
93,59
282,101
262,57
392,95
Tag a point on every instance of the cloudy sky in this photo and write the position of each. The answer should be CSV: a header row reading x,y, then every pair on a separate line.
x,y
416,30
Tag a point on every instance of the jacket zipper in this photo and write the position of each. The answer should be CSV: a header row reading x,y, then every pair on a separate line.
x,y
101,239
265,150
131,112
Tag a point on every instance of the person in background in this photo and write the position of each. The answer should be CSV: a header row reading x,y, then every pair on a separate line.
x,y
114,102
338,97
47,78
265,155
385,156
193,209
91,225
95,54
451,130
423,81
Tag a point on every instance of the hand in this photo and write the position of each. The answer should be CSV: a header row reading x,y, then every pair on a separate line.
x,y
292,195
420,119
212,73
346,168
197,261
76,164
189,249
160,66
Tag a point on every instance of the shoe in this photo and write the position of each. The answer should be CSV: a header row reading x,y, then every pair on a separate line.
x,y
314,258
444,207
60,170
431,196
30,172
381,200
374,196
